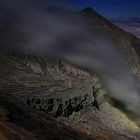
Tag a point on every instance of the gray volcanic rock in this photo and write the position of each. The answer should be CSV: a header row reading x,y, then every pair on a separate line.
x,y
18,122
54,99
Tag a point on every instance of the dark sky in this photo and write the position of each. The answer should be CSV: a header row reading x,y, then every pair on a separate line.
x,y
108,8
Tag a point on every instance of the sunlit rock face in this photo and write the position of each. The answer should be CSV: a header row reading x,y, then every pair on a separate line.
x,y
65,92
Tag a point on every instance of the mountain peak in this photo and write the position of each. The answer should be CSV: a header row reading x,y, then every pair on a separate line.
x,y
88,9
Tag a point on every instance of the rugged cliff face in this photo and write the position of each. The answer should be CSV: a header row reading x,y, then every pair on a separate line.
x,y
63,92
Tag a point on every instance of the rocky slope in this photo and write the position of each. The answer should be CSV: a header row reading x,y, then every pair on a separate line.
x,y
18,122
64,101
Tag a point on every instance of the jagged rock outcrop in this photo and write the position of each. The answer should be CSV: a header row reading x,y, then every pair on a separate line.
x,y
18,122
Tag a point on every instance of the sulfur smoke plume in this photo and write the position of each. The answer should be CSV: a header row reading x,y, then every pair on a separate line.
x,y
63,34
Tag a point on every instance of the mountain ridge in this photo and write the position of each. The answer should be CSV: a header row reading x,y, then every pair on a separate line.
x,y
45,85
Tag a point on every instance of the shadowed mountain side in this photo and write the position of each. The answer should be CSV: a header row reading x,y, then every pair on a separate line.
x,y
98,20
74,98
17,122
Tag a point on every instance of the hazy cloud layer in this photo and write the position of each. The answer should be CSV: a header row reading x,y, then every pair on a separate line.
x,y
129,25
